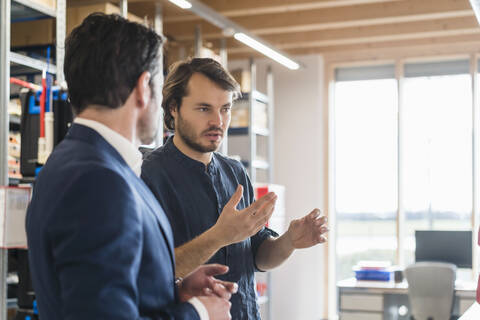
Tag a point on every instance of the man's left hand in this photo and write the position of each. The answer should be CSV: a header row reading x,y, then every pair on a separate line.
x,y
201,282
308,231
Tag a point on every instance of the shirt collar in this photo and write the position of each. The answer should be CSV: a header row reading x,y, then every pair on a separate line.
x,y
127,150
172,149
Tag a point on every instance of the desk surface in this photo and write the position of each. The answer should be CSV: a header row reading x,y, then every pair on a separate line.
x,y
462,288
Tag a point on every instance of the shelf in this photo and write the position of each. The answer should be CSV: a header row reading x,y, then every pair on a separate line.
x,y
30,63
25,10
257,164
260,96
257,95
260,164
14,122
239,131
262,300
261,131
12,303
18,181
14,119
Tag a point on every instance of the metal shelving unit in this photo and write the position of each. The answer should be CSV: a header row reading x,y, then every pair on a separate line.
x,y
16,11
245,141
23,10
248,137
27,64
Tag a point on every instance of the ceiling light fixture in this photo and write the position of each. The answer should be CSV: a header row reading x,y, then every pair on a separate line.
x,y
266,50
184,4
476,8
230,28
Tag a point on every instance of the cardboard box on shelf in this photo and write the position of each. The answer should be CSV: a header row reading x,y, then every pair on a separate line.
x,y
240,115
33,33
243,78
43,32
75,15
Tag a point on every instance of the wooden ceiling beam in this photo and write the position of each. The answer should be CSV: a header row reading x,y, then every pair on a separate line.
x,y
368,40
372,48
334,18
429,50
231,9
418,29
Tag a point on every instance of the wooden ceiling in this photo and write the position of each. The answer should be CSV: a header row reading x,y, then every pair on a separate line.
x,y
330,27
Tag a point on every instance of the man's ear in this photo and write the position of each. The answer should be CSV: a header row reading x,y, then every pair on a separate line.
x,y
173,109
144,92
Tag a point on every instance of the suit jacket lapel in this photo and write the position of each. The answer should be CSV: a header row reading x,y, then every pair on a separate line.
x,y
88,135
162,219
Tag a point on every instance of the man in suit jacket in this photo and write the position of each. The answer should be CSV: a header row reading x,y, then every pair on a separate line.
x,y
100,245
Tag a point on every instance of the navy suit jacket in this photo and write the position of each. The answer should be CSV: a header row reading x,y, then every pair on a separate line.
x,y
100,245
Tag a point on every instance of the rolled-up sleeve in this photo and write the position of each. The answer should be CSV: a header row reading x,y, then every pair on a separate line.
x,y
258,239
265,233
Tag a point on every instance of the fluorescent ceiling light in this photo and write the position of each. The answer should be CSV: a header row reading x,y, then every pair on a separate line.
x,y
181,3
269,52
476,8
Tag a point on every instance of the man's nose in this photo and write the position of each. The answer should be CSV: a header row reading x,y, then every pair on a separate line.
x,y
216,119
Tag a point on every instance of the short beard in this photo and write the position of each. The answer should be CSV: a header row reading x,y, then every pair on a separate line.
x,y
183,129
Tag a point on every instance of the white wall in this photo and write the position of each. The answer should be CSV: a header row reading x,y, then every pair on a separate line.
x,y
298,285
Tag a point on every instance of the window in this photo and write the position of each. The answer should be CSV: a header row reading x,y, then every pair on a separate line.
x,y
366,167
435,156
437,153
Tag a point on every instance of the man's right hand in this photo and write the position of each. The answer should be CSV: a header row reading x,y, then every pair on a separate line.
x,y
237,225
218,308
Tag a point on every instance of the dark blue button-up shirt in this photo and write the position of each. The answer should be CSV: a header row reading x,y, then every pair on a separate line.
x,y
193,198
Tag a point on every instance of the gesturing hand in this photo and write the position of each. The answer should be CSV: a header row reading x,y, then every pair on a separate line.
x,y
308,231
234,226
201,282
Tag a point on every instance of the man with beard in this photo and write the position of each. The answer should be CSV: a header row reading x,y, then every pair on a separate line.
x,y
208,197
100,245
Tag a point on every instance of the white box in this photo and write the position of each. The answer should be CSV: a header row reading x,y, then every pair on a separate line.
x,y
13,208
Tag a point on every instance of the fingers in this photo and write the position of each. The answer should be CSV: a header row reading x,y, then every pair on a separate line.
x,y
236,197
224,289
264,215
215,269
254,207
266,209
314,214
207,292
231,287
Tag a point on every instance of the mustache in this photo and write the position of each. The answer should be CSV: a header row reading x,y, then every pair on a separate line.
x,y
214,129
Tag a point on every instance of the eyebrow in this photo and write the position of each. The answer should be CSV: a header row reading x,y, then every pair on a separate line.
x,y
206,104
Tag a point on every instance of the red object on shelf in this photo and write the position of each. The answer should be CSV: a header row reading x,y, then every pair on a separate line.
x,y
261,289
24,84
261,191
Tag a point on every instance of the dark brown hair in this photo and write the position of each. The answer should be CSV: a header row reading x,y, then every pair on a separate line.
x,y
175,87
105,56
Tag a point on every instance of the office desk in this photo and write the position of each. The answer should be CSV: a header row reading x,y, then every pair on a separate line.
x,y
377,300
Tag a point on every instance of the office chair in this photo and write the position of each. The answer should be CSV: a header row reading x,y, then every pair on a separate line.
x,y
431,288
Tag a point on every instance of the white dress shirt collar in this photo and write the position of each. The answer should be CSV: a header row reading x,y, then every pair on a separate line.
x,y
127,150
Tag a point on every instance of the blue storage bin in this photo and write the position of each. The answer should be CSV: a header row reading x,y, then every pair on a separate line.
x,y
376,275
